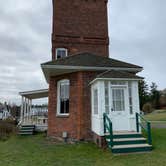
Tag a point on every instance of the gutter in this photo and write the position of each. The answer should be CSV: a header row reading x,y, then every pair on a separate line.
x,y
89,68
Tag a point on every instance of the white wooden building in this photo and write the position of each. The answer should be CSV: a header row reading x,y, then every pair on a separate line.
x,y
118,97
31,115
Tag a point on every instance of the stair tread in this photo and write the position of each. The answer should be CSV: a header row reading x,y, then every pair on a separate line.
x,y
123,133
131,146
128,139
26,130
28,125
25,133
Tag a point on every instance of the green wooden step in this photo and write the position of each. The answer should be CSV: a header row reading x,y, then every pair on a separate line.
x,y
28,127
25,133
138,135
131,148
127,135
128,141
26,130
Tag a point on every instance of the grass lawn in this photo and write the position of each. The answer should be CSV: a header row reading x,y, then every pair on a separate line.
x,y
37,151
158,115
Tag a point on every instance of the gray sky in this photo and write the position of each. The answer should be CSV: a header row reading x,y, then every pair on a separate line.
x,y
137,31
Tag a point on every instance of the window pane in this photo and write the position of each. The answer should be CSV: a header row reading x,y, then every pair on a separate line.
x,y
130,98
62,109
95,101
107,109
106,85
61,53
64,91
64,106
118,82
64,97
118,99
106,101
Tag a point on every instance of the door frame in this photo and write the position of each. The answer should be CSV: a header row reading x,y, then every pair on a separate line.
x,y
126,98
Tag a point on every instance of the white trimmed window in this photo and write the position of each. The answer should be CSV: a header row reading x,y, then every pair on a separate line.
x,y
130,98
118,99
106,83
63,97
61,53
95,101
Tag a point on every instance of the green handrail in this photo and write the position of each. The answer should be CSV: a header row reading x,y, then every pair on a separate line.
x,y
147,128
108,128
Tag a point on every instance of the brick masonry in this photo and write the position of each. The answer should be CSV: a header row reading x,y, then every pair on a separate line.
x,y
80,26
78,123
100,141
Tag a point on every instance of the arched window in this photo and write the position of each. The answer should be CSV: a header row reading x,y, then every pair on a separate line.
x,y
61,53
63,89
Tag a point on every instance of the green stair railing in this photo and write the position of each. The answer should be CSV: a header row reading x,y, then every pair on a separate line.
x,y
108,128
147,128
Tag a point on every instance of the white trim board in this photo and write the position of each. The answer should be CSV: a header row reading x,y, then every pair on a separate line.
x,y
114,79
89,68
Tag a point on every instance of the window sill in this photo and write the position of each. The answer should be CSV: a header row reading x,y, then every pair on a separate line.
x,y
62,115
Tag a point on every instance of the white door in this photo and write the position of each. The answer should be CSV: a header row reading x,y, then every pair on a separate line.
x,y
119,113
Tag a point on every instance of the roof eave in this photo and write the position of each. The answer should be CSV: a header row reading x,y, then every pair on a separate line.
x,y
41,93
138,69
69,69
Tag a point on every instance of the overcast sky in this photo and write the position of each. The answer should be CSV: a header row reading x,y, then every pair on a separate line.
x,y
137,30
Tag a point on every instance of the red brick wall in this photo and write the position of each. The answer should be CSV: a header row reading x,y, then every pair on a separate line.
x,y
99,140
80,26
78,123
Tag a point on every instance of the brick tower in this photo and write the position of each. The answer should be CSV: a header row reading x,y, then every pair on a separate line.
x,y
80,26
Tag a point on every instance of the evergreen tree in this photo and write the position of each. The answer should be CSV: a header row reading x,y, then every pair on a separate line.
x,y
154,95
143,93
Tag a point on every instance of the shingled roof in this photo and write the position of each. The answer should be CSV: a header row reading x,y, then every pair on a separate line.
x,y
90,60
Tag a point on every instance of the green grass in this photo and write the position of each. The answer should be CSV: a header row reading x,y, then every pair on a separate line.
x,y
158,115
37,151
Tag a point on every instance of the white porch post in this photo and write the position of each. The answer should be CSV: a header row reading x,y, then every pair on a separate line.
x,y
29,110
30,105
26,106
22,107
28,102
